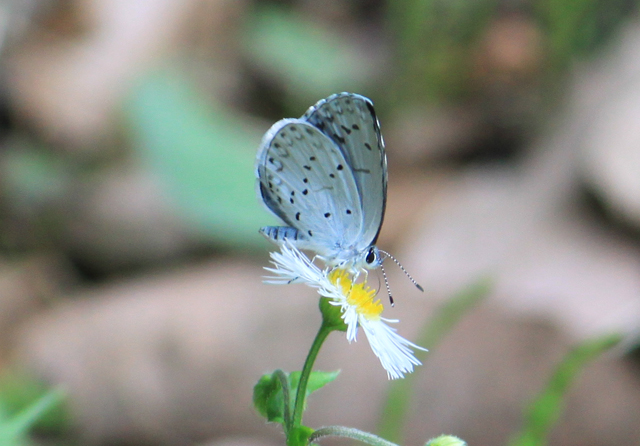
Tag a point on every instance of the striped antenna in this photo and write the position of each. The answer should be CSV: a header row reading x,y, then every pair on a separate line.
x,y
403,270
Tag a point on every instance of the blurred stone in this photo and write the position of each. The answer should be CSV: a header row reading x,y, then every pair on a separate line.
x,y
523,225
479,381
419,134
26,288
16,18
511,50
122,218
172,359
69,89
544,256
611,139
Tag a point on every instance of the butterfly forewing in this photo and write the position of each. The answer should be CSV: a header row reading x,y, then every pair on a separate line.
x,y
305,180
350,122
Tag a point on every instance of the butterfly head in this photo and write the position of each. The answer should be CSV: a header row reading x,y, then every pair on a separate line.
x,y
372,258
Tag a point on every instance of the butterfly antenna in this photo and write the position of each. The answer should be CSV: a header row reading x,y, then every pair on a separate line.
x,y
403,270
386,282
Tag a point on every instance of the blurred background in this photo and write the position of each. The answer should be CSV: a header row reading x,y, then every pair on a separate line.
x,y
130,260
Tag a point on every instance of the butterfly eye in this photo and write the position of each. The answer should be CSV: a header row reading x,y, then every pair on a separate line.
x,y
371,256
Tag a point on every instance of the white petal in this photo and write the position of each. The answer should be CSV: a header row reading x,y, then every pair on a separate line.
x,y
392,350
350,317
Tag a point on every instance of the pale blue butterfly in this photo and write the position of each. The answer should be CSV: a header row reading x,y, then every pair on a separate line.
x,y
325,176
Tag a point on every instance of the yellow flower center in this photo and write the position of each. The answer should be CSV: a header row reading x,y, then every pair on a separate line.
x,y
358,294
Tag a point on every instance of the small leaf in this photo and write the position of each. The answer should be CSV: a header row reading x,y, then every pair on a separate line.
x,y
268,399
317,380
299,436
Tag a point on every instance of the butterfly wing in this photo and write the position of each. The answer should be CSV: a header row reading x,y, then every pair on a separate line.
x,y
349,120
305,180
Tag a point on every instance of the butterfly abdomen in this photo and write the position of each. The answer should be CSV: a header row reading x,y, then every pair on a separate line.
x,y
278,234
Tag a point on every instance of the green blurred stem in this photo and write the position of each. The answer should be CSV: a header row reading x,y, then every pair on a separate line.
x,y
348,432
448,315
286,396
21,423
546,409
301,394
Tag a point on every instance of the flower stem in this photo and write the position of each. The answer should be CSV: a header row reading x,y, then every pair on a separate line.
x,y
301,394
348,432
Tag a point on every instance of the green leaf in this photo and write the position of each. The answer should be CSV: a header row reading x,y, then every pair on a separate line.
x,y
299,436
268,398
317,380
14,430
546,409
19,392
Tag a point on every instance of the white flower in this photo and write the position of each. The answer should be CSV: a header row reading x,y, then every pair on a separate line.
x,y
357,303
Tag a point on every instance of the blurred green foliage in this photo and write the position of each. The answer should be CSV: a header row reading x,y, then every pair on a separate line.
x,y
309,60
407,51
27,405
545,411
396,408
438,40
203,153
541,415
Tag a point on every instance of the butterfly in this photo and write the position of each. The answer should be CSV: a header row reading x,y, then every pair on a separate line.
x,y
325,176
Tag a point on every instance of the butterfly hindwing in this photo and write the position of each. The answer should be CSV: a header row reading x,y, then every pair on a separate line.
x,y
349,120
304,178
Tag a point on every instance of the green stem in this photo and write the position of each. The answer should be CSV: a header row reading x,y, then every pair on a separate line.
x,y
301,394
348,432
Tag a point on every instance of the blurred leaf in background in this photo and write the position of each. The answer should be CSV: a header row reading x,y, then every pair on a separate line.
x,y
204,154
308,60
27,405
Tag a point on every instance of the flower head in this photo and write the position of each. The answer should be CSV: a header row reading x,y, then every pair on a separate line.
x,y
359,307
